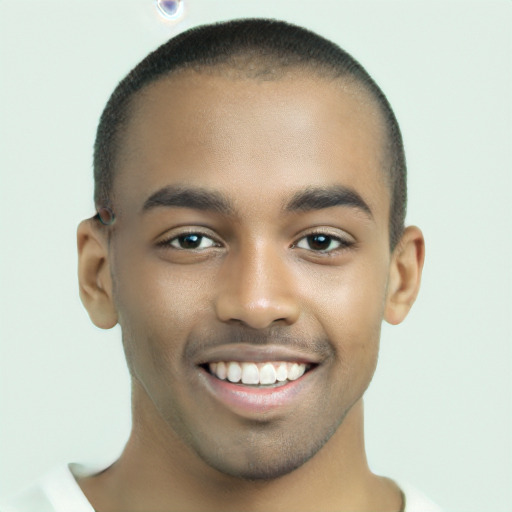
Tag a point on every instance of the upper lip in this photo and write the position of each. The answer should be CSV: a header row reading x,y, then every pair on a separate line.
x,y
256,353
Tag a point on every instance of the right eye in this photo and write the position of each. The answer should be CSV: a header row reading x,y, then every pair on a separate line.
x,y
191,241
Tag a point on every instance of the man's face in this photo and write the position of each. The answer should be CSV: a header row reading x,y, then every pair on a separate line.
x,y
252,227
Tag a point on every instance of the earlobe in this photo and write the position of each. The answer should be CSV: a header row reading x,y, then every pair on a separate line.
x,y
404,275
94,275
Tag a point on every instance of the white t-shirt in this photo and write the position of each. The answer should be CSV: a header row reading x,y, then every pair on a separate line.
x,y
58,491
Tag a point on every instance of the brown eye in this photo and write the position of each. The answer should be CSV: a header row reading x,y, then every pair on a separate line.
x,y
192,241
320,242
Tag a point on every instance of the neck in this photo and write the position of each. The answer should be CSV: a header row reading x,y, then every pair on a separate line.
x,y
158,472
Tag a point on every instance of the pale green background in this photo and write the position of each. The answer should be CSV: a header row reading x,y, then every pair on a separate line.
x,y
439,409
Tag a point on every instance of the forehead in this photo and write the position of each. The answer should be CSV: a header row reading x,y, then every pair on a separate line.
x,y
245,135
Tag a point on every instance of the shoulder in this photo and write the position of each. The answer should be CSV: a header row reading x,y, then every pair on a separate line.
x,y
56,491
416,501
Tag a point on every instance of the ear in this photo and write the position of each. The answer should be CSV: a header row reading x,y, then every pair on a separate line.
x,y
404,275
94,274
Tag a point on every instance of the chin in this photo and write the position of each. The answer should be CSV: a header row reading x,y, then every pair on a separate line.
x,y
264,464
261,471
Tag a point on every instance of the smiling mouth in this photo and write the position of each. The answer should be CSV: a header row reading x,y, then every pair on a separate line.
x,y
255,374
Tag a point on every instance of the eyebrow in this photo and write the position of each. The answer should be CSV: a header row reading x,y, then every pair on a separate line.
x,y
318,198
311,198
184,197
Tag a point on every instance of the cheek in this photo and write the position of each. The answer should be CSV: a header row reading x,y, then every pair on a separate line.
x,y
158,305
350,296
349,303
159,293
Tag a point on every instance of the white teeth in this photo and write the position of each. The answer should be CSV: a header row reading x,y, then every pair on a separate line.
x,y
234,372
250,373
294,371
257,373
268,374
221,371
281,372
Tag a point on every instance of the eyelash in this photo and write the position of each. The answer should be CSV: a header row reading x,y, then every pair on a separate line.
x,y
342,244
166,243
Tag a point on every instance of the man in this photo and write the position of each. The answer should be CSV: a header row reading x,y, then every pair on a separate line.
x,y
249,240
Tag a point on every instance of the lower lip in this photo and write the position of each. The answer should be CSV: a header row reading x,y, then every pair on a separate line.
x,y
244,399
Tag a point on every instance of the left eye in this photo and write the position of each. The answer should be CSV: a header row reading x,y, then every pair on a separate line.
x,y
320,243
192,241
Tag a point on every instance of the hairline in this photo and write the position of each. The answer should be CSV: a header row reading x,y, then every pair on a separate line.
x,y
349,83
252,57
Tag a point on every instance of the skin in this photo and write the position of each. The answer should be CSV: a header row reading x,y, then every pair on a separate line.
x,y
256,279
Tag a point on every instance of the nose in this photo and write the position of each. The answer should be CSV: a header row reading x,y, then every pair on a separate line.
x,y
257,289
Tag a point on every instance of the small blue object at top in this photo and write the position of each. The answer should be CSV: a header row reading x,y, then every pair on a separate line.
x,y
170,9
